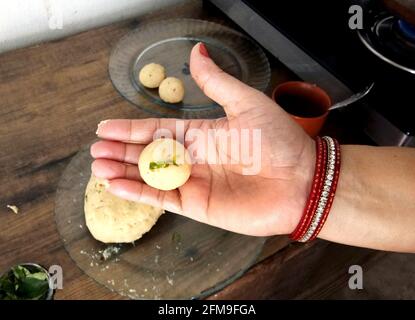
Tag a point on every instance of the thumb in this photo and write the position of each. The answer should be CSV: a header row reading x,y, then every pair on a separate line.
x,y
221,87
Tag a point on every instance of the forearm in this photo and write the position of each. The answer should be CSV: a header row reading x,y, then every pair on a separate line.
x,y
374,205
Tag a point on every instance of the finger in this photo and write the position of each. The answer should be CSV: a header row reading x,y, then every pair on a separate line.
x,y
143,131
140,192
221,87
118,151
109,169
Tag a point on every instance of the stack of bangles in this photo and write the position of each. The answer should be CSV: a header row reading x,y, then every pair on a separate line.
x,y
323,189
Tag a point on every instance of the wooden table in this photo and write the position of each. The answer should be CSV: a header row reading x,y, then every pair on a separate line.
x,y
51,98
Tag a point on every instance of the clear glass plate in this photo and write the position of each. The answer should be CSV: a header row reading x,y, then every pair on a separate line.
x,y
169,43
178,259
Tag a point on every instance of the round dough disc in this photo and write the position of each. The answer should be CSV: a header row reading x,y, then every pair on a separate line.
x,y
151,75
165,164
171,90
114,220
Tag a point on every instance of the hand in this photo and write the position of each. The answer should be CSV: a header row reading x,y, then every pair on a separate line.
x,y
267,203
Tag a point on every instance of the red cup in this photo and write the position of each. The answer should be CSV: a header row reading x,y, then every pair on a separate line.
x,y
307,103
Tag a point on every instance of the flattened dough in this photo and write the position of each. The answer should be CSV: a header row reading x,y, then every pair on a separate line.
x,y
114,220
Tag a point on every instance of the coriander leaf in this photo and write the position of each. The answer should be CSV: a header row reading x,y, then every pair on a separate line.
x,y
158,165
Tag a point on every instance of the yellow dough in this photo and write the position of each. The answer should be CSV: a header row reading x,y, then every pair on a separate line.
x,y
171,90
151,75
165,164
114,220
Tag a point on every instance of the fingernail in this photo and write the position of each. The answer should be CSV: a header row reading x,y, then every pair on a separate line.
x,y
100,124
203,51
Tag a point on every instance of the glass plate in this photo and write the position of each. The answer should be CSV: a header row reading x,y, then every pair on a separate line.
x,y
178,259
169,43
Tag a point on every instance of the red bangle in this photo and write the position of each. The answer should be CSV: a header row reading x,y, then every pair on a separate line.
x,y
323,189
336,174
318,179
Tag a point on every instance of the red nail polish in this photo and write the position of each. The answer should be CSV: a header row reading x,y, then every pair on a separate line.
x,y
203,51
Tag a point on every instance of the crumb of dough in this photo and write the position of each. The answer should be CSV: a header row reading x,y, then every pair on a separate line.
x,y
13,208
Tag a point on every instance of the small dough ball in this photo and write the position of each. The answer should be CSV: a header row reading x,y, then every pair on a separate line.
x,y
171,90
114,220
151,75
165,164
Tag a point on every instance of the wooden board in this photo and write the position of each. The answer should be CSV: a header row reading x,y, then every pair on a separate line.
x,y
51,98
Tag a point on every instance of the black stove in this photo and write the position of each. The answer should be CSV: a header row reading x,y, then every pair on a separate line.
x,y
314,40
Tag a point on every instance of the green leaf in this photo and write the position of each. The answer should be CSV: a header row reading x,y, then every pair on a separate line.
x,y
7,287
20,272
38,275
162,164
21,283
158,165
32,288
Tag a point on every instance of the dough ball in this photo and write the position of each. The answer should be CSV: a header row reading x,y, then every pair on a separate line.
x,y
114,220
151,75
165,164
171,90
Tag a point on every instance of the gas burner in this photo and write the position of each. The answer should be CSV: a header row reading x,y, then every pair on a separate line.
x,y
391,39
407,30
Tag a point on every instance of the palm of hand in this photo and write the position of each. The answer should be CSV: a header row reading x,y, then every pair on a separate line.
x,y
269,202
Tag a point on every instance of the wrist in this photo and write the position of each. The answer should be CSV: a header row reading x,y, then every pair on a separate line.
x,y
305,175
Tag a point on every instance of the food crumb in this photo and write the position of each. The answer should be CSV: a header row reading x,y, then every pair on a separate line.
x,y
80,226
109,251
191,259
158,247
132,290
13,208
112,282
169,280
